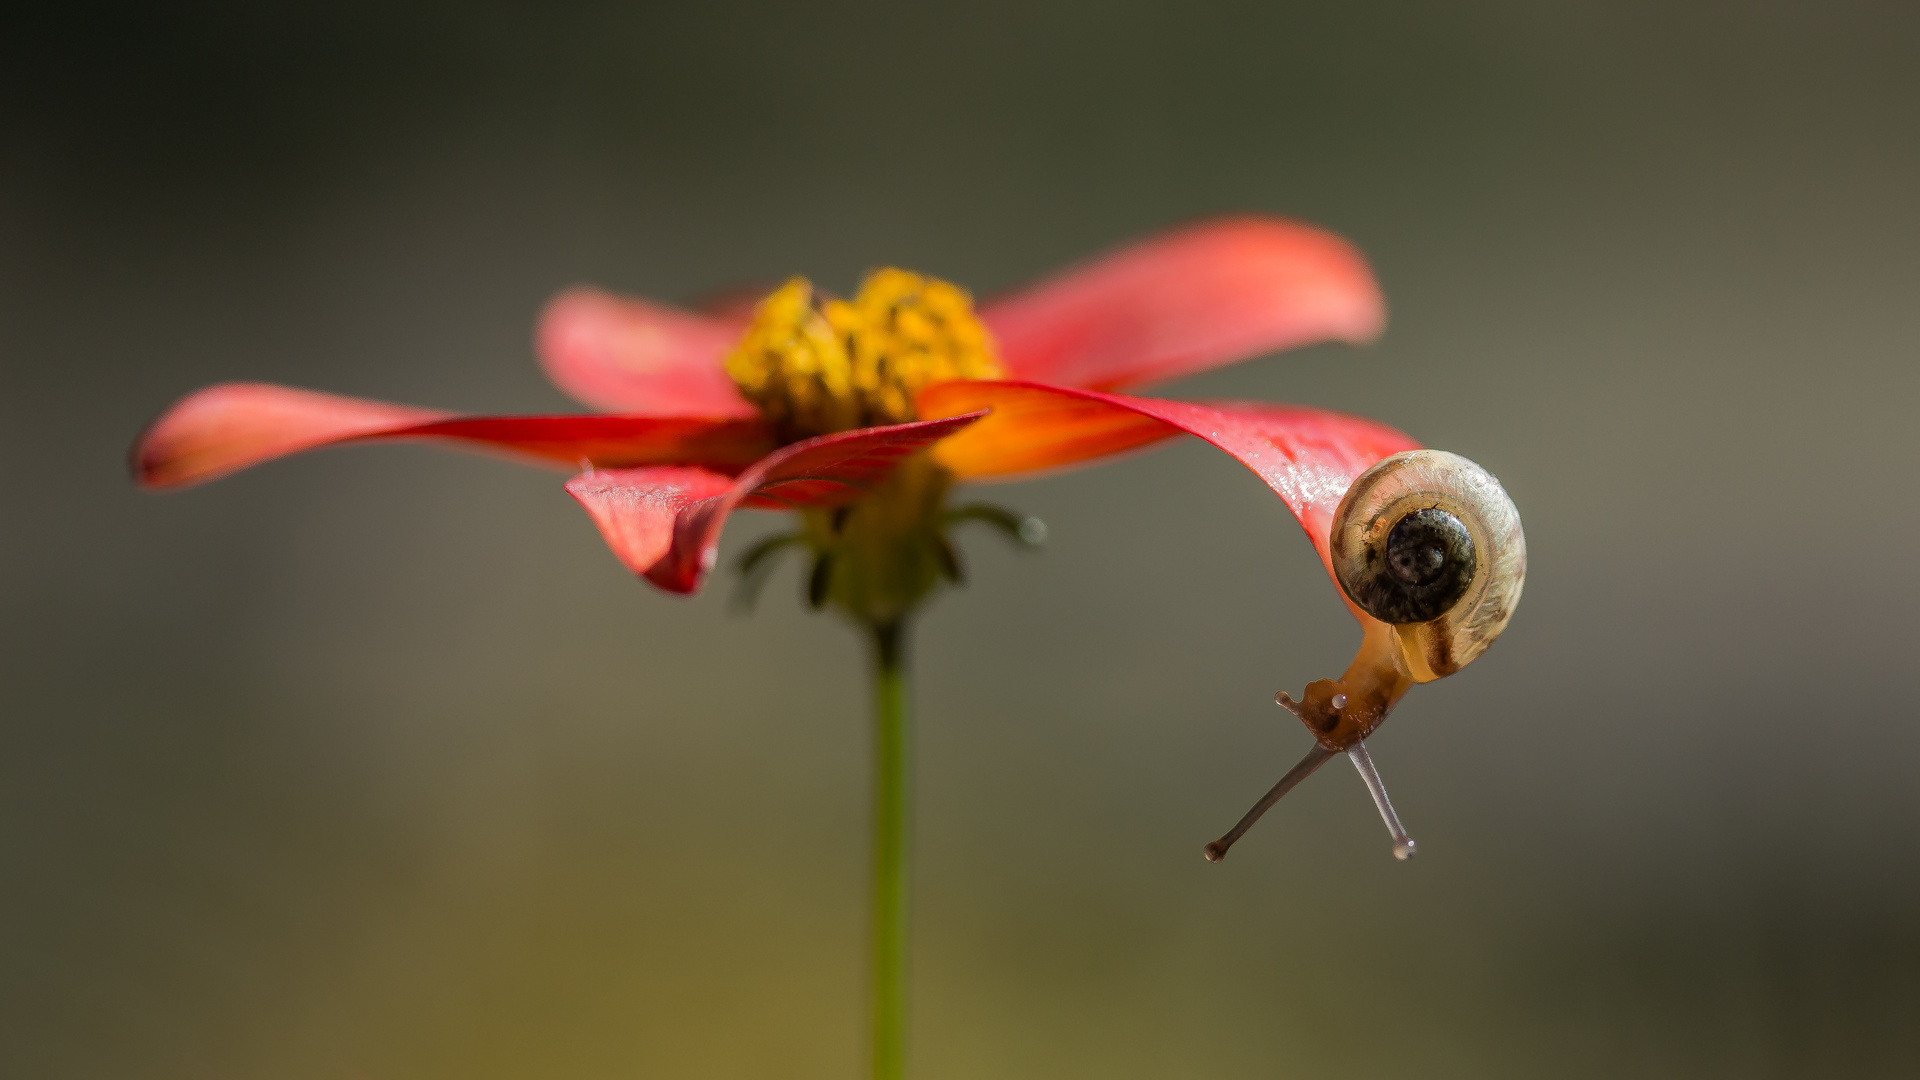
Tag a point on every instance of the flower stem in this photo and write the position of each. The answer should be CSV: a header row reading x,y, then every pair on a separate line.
x,y
891,844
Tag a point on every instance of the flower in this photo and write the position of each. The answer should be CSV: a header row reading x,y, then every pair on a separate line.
x,y
826,408
861,414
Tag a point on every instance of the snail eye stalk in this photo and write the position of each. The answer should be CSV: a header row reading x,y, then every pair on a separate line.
x,y
1403,846
1315,758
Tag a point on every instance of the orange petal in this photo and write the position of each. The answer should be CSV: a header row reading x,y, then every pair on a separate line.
x,y
1309,457
1034,428
228,427
641,358
1188,300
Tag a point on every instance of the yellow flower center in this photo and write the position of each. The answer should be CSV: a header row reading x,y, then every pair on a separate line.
x,y
844,364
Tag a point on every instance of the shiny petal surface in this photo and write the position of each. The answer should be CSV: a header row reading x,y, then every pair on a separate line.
x,y
1309,457
664,524
1185,301
632,356
228,427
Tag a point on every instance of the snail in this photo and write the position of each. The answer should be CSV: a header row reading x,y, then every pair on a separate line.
x,y
1428,546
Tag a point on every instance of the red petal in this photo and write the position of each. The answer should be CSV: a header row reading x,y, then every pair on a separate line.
x,y
636,510
665,524
632,356
1308,456
224,428
613,442
1188,300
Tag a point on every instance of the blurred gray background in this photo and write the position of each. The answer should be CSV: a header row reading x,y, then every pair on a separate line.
x,y
373,764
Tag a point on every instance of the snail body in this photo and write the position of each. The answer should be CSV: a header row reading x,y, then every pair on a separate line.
x,y
1428,547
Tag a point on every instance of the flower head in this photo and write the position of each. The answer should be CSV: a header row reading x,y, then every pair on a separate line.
x,y
814,370
825,405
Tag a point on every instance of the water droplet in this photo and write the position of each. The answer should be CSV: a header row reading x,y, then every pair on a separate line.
x,y
1339,701
1403,849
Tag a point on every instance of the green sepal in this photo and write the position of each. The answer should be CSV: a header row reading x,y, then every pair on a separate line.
x,y
950,564
819,580
757,564
1024,530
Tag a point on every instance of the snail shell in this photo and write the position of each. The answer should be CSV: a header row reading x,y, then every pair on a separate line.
x,y
1428,542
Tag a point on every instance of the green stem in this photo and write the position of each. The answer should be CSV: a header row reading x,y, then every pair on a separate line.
x,y
891,778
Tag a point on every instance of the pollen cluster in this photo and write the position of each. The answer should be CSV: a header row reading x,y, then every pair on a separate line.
x,y
815,369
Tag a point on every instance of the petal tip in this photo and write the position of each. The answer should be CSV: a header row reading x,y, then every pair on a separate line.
x,y
638,512
634,356
573,312
227,427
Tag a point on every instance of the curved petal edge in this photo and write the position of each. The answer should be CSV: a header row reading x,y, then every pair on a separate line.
x,y
229,427
1308,456
225,428
665,524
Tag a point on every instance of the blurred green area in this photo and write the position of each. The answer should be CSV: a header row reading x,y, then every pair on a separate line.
x,y
375,765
